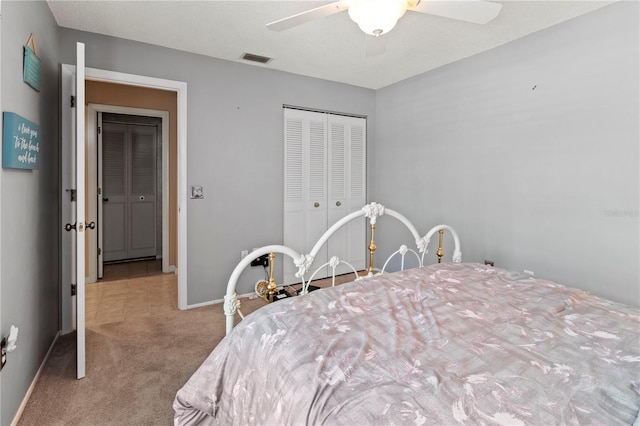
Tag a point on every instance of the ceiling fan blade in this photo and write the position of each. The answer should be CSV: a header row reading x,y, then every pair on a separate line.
x,y
307,16
476,11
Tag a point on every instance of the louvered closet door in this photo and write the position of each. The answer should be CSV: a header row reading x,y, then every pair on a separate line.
x,y
347,188
129,191
142,191
114,159
325,172
305,191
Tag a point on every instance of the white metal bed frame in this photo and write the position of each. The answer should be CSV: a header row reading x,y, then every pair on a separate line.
x,y
304,261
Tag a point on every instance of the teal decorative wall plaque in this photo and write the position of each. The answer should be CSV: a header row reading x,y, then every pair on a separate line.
x,y
20,142
31,72
31,65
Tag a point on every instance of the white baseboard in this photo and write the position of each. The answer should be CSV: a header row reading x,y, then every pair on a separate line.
x,y
217,301
33,383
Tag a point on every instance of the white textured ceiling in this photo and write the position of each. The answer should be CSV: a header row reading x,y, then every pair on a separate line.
x,y
331,48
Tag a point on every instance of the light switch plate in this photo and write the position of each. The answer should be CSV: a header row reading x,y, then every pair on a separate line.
x,y
197,192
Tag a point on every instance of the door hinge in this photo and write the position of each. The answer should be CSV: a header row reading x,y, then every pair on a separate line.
x,y
99,130
73,289
99,191
73,101
72,194
99,251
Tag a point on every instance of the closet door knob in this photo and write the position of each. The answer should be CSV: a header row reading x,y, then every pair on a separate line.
x,y
338,203
316,204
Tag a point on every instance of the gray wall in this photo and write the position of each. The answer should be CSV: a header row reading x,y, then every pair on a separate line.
x,y
530,150
235,146
544,179
29,228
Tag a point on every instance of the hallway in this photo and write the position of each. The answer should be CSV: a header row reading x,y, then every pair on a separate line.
x,y
130,291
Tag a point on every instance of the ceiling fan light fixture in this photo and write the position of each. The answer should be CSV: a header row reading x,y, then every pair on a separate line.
x,y
376,17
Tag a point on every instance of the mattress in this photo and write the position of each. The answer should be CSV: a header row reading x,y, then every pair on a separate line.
x,y
443,344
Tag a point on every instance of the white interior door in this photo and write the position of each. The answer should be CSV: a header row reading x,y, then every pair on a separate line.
x,y
80,206
305,206
73,204
347,188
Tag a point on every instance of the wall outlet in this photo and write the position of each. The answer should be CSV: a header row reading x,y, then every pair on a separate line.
x,y
4,353
261,261
197,193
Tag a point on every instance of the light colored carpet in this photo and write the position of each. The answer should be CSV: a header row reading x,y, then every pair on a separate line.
x,y
134,369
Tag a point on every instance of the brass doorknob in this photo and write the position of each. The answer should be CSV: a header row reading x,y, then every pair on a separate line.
x,y
316,204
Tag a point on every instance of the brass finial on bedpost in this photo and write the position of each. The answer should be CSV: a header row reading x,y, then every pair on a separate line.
x,y
372,248
272,287
440,252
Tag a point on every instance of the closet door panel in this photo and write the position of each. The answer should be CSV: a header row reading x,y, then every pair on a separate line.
x,y
114,193
142,191
357,191
305,206
294,199
338,202
346,143
316,206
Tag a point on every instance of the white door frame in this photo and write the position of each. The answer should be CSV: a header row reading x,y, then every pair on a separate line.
x,y
1,329
180,88
92,179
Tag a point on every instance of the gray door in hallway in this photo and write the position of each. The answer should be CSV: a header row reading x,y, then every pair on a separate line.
x,y
129,190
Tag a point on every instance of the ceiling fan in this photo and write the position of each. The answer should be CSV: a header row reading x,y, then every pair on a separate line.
x,y
377,17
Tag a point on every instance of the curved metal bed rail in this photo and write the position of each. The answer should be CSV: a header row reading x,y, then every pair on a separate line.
x,y
333,264
402,251
457,254
423,245
304,261
231,302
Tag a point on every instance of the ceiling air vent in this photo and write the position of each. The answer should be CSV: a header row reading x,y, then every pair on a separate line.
x,y
256,58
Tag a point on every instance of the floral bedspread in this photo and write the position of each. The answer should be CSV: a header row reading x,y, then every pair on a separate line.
x,y
441,345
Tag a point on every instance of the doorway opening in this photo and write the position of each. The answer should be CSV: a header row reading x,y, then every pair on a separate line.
x,y
131,209
73,303
128,158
